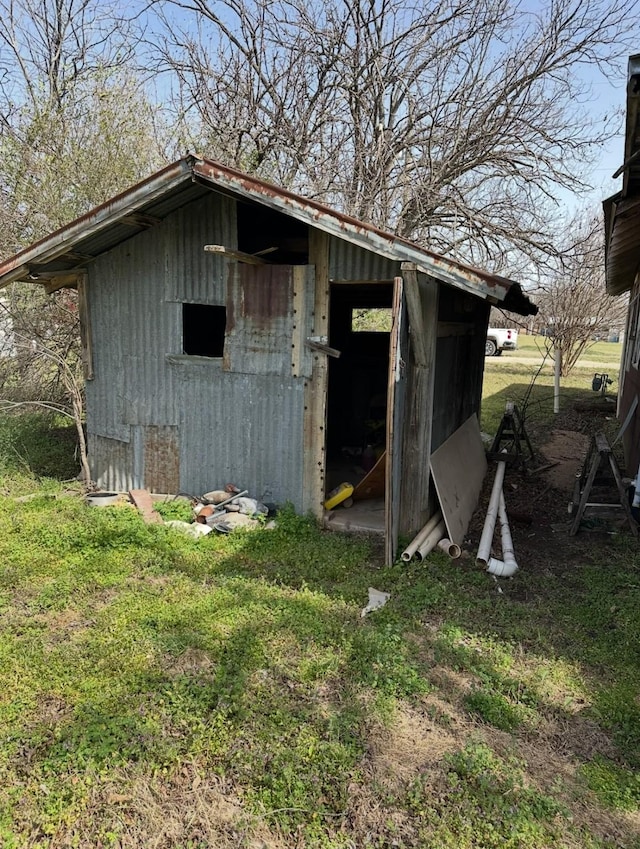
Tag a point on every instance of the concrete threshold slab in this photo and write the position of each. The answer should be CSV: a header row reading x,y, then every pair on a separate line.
x,y
365,517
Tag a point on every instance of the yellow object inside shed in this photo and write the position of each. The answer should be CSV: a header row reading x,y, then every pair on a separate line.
x,y
338,495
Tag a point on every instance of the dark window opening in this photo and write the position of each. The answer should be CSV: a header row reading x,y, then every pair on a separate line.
x,y
203,329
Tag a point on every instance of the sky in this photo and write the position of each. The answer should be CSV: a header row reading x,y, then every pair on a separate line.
x,y
609,97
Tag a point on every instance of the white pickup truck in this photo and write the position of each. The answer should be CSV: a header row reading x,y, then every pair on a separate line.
x,y
500,339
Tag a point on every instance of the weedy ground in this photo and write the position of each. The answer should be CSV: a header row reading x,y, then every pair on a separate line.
x,y
161,691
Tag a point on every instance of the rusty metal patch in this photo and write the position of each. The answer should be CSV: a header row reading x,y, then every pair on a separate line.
x,y
265,293
161,459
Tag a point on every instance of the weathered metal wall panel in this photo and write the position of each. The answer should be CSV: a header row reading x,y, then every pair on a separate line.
x,y
105,393
243,429
161,459
259,320
459,365
133,329
447,391
415,506
192,274
111,462
349,262
190,424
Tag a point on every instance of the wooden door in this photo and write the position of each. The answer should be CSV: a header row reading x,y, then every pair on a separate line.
x,y
396,397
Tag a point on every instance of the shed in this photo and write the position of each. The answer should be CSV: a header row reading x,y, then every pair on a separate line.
x,y
622,263
207,366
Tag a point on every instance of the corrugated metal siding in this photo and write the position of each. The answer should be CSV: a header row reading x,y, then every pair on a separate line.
x,y
193,275
446,396
162,459
188,424
350,262
111,463
105,393
133,328
259,320
243,429
458,387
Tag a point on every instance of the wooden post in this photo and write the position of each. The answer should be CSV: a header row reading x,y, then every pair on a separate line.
x,y
315,388
556,379
414,498
85,328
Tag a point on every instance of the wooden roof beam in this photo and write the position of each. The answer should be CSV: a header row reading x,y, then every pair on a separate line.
x,y
62,281
138,219
239,256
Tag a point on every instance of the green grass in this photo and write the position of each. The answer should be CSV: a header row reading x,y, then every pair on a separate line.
x,y
157,690
596,352
36,448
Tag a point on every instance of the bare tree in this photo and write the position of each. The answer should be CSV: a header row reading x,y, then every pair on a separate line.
x,y
76,124
575,309
453,122
40,364
48,47
76,127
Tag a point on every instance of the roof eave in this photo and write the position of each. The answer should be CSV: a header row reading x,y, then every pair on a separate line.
x,y
24,265
311,212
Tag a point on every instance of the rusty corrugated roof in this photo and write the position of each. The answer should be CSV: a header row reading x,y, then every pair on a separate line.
x,y
76,244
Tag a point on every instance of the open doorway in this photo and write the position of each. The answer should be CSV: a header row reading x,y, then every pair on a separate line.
x,y
359,326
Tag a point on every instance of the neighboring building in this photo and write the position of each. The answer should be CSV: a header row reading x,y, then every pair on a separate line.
x,y
622,259
206,367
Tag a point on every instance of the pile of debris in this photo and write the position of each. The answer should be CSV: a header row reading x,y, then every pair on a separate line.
x,y
222,510
225,509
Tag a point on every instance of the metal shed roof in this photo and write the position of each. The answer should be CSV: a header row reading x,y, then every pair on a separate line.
x,y
75,245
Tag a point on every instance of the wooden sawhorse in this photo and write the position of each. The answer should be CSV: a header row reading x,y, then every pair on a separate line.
x,y
600,455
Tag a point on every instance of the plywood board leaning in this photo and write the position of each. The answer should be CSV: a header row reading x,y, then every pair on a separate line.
x,y
458,468
373,484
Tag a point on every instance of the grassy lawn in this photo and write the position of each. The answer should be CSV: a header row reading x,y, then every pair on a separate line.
x,y
161,691
535,346
530,386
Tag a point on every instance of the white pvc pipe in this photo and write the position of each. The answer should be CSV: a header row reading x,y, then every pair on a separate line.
x,y
506,567
419,538
484,549
431,540
451,548
556,380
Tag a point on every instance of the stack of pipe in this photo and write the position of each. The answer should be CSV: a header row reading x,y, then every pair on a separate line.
x,y
433,534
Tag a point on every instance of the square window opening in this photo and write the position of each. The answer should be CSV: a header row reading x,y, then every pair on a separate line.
x,y
203,330
371,319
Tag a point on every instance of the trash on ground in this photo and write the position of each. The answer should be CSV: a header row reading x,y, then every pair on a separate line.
x,y
377,599
192,529
226,509
102,499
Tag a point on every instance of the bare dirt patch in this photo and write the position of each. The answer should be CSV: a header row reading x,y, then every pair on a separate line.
x,y
566,449
538,498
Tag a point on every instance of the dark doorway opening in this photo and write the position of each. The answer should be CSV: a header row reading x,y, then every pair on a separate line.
x,y
359,321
